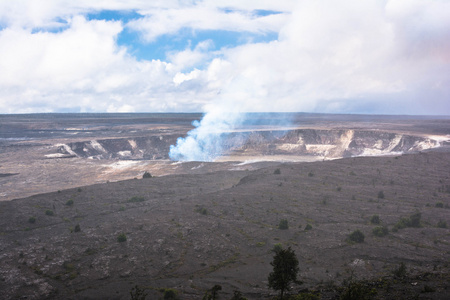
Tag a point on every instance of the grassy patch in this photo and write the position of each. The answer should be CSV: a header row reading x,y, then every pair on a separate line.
x,y
136,199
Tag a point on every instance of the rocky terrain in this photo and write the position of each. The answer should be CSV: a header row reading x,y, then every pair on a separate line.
x,y
198,224
190,232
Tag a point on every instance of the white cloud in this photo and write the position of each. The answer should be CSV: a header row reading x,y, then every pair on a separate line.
x,y
331,55
203,16
346,56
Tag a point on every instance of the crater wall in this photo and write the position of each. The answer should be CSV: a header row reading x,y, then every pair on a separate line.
x,y
299,142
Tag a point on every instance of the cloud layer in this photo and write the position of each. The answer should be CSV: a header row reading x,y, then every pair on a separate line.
x,y
376,56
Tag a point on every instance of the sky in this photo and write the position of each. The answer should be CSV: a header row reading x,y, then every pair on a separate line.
x,y
327,56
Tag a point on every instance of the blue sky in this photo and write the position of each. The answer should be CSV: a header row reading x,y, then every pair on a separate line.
x,y
380,56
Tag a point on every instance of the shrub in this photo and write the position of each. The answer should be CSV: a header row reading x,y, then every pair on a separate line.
x,y
427,289
358,291
77,228
136,199
170,294
69,202
283,224
202,210
411,221
32,220
277,172
380,195
375,219
380,231
356,236
442,224
121,238
310,174
238,296
440,205
147,175
49,212
402,223
137,293
79,190
305,296
308,227
400,272
415,219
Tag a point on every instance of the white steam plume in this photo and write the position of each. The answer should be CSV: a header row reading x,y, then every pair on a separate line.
x,y
206,141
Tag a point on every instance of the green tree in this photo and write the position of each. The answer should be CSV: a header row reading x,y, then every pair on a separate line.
x,y
285,269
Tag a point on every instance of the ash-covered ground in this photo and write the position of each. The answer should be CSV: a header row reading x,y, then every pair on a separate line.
x,y
197,224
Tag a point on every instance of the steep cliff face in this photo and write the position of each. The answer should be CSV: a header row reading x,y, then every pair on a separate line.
x,y
333,143
149,148
300,142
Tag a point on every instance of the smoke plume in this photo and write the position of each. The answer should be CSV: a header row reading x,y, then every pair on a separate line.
x,y
206,141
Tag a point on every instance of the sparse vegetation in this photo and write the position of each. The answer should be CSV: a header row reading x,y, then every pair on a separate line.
x,y
308,227
121,238
375,219
202,210
441,224
137,293
283,224
427,289
213,293
358,290
356,236
380,195
305,296
49,212
170,294
135,199
400,272
440,205
380,231
237,295
32,220
77,228
277,172
411,221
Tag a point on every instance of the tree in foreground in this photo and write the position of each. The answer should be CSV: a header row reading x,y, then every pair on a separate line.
x,y
285,269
